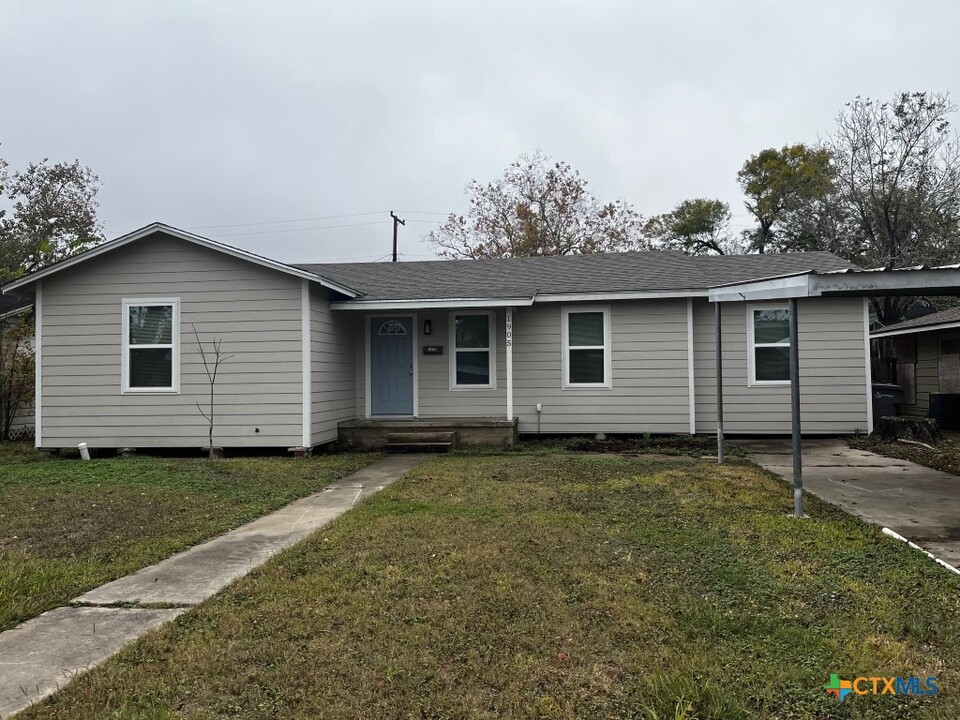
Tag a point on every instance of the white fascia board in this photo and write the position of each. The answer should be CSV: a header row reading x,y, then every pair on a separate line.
x,y
794,286
912,330
182,235
427,304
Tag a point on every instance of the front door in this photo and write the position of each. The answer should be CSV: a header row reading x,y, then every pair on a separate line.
x,y
391,366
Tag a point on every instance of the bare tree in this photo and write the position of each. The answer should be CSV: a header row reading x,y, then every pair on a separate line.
x,y
537,207
211,365
898,172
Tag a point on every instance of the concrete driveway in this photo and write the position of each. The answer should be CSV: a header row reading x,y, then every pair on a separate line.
x,y
921,504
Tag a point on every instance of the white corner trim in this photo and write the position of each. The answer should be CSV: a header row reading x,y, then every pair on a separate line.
x,y
126,304
565,313
491,349
306,364
691,387
751,355
38,367
866,358
508,350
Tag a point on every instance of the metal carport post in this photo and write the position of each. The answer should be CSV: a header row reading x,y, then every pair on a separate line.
x,y
921,280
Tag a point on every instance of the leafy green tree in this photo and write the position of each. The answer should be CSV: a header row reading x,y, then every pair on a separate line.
x,y
780,184
537,207
53,214
697,227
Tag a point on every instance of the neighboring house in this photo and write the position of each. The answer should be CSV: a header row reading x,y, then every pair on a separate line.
x,y
16,337
615,343
923,357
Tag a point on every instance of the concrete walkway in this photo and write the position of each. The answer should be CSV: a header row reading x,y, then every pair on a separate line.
x,y
921,504
43,654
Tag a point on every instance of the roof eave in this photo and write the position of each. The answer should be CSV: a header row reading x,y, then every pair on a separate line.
x,y
882,333
119,242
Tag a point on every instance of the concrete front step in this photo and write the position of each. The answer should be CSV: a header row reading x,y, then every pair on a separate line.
x,y
435,441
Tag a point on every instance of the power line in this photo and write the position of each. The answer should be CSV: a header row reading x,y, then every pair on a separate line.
x,y
280,222
307,229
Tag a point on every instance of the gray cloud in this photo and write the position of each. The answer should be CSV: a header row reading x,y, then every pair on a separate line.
x,y
202,114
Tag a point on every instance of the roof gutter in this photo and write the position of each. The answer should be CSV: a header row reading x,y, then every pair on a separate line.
x,y
428,303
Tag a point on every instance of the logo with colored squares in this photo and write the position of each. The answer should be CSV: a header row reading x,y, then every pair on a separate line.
x,y
838,688
875,685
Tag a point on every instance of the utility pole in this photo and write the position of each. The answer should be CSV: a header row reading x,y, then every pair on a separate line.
x,y
396,221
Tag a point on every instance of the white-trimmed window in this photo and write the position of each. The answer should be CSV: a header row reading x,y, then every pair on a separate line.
x,y
586,347
473,350
151,345
768,344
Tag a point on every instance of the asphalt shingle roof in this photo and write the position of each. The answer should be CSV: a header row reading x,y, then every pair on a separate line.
x,y
950,315
522,277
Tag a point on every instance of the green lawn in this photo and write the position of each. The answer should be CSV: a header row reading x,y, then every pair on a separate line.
x,y
944,456
555,585
67,526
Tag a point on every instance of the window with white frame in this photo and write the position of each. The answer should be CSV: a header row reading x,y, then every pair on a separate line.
x,y
151,345
473,351
768,332
586,347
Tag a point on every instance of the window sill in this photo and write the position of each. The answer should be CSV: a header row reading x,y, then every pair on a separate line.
x,y
769,383
456,388
150,391
587,386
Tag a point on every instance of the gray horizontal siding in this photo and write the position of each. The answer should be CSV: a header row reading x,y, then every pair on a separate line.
x,y
436,398
254,310
832,371
333,374
649,359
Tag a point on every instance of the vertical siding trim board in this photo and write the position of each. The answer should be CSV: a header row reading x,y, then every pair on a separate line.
x,y
305,360
691,382
508,339
866,362
38,365
416,370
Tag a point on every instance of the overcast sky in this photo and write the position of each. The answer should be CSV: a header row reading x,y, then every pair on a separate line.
x,y
205,115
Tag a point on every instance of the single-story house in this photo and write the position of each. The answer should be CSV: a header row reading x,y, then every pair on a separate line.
x,y
925,356
611,343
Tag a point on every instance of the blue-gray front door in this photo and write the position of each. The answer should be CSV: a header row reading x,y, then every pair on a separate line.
x,y
391,366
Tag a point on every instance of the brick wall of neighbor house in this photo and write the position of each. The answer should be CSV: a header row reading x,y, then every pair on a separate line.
x,y
254,310
333,336
832,371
